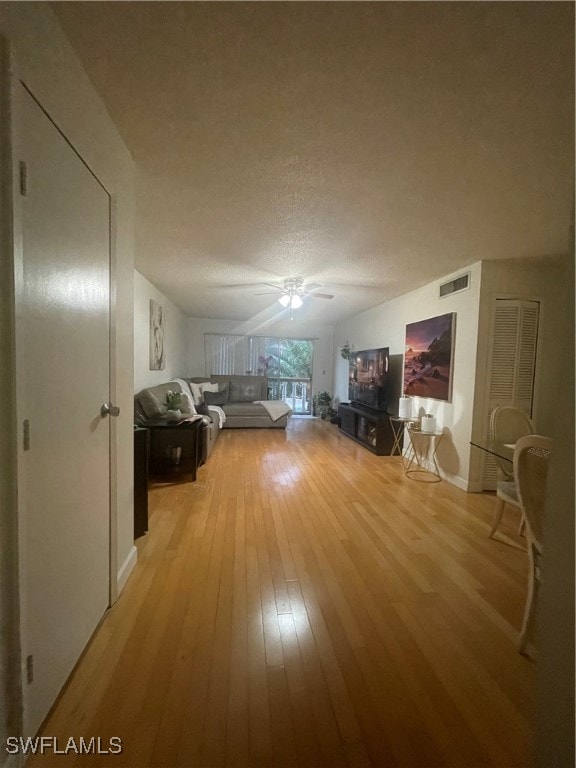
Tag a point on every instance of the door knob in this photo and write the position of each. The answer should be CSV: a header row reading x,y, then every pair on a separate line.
x,y
108,408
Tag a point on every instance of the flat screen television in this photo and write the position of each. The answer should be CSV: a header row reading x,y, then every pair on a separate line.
x,y
368,378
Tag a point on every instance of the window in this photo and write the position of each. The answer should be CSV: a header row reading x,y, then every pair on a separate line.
x,y
286,362
288,365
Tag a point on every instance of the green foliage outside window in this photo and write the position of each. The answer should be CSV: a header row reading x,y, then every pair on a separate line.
x,y
289,358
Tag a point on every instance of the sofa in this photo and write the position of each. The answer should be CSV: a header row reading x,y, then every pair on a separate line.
x,y
150,404
239,401
222,402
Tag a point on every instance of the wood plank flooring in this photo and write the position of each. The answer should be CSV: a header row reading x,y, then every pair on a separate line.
x,y
305,604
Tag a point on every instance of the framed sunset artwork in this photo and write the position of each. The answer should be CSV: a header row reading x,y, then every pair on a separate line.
x,y
428,357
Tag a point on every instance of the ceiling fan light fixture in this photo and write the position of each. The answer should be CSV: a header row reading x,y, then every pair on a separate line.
x,y
291,298
295,301
293,291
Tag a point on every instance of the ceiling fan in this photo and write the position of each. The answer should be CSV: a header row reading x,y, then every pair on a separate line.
x,y
293,290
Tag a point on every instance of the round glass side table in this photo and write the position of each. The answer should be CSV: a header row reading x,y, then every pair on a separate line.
x,y
398,425
424,446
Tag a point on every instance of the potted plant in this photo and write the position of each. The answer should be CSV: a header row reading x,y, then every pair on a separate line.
x,y
346,351
321,403
173,403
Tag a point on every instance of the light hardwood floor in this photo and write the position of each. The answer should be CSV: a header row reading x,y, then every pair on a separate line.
x,y
305,604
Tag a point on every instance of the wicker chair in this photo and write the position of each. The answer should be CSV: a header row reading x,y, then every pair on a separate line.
x,y
507,424
531,457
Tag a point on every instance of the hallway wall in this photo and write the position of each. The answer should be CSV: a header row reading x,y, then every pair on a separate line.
x,y
175,336
385,326
44,60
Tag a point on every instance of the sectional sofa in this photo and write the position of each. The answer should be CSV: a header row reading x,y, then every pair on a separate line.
x,y
222,402
246,405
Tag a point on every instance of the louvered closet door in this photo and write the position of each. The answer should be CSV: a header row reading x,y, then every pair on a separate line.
x,y
512,363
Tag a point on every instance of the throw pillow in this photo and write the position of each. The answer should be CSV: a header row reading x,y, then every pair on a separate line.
x,y
216,398
187,406
244,392
202,409
196,392
207,386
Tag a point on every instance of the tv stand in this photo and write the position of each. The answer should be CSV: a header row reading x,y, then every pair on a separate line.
x,y
367,426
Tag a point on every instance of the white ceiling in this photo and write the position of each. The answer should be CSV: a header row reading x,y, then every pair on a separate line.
x,y
369,147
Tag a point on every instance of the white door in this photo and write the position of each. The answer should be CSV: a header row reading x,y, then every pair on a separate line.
x,y
63,369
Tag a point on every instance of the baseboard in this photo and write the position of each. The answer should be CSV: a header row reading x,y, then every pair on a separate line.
x,y
126,569
459,482
475,487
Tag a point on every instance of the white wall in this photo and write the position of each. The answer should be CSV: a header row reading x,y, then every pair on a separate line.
x,y
322,334
44,60
385,326
539,280
175,336
542,281
463,417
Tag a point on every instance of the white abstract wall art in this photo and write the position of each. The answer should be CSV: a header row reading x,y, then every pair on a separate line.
x,y
157,354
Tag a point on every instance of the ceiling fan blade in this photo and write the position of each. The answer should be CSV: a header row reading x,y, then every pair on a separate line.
x,y
311,286
266,293
274,285
320,295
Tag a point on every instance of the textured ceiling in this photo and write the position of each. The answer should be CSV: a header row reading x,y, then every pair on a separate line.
x,y
369,147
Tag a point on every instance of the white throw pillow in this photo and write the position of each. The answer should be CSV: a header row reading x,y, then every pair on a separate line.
x,y
187,404
196,392
207,386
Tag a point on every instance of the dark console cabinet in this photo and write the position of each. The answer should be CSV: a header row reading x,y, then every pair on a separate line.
x,y
175,449
368,427
141,442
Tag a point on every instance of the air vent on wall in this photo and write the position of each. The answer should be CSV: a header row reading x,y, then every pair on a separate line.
x,y
457,284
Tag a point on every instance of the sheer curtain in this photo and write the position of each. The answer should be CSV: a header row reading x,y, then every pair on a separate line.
x,y
226,354
236,355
